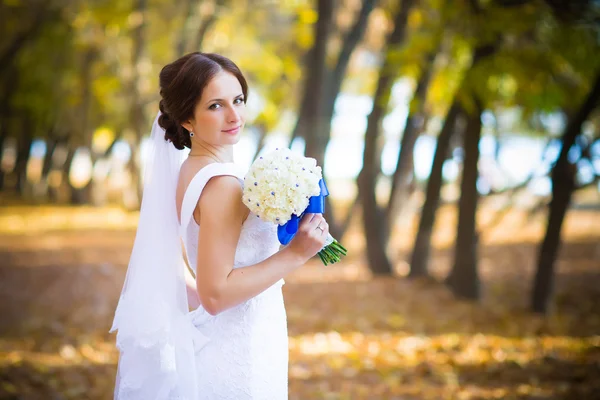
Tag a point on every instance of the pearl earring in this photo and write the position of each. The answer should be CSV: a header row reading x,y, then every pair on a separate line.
x,y
191,134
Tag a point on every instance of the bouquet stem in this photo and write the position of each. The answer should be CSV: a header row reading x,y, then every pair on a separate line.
x,y
332,252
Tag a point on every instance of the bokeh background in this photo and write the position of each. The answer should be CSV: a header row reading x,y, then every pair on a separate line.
x,y
461,145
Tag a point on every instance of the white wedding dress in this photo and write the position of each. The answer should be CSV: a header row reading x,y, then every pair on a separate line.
x,y
245,355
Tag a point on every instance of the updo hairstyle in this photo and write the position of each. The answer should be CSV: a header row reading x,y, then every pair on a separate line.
x,y
181,86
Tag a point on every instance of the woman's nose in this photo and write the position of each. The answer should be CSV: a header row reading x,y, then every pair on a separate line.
x,y
233,115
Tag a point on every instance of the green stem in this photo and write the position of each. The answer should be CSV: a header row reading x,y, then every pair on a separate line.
x,y
322,258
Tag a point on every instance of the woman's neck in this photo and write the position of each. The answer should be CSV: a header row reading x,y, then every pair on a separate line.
x,y
217,154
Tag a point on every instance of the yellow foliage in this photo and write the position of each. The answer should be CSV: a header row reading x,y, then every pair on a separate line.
x,y
102,138
308,16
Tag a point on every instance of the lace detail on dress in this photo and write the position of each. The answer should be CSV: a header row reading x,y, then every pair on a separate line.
x,y
256,231
246,354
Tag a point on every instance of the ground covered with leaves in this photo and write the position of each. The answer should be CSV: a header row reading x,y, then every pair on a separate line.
x,y
352,336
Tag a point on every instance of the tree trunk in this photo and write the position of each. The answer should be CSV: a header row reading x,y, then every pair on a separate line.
x,y
374,222
422,246
84,195
301,116
23,154
112,145
420,254
311,122
3,135
414,124
463,279
18,43
9,85
51,144
78,195
331,88
87,97
315,146
138,119
335,78
262,135
345,224
333,82
563,183
66,182
374,226
205,25
185,27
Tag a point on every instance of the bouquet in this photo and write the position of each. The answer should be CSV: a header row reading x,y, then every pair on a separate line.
x,y
281,187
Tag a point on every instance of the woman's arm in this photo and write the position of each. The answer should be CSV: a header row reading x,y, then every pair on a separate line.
x,y
222,214
192,292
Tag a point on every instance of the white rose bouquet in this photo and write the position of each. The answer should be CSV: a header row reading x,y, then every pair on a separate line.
x,y
280,187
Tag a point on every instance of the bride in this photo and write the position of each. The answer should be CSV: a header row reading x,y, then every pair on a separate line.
x,y
233,344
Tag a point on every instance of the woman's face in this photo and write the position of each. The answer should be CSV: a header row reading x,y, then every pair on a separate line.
x,y
219,116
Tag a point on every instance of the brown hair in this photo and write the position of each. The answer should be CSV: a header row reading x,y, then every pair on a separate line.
x,y
181,86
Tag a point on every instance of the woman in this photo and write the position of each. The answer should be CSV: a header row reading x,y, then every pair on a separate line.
x,y
234,345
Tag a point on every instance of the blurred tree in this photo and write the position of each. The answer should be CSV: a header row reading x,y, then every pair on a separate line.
x,y
82,195
430,40
137,116
403,179
464,277
525,17
420,253
572,13
16,34
586,12
312,103
334,78
9,85
31,94
199,16
190,9
205,24
322,85
510,49
374,222
563,185
24,142
475,28
422,244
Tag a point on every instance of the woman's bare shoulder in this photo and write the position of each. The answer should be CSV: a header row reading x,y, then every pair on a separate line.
x,y
187,172
221,197
222,194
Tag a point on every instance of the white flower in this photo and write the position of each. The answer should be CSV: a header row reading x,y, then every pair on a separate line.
x,y
279,184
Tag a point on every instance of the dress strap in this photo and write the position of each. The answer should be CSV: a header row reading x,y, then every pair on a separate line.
x,y
197,184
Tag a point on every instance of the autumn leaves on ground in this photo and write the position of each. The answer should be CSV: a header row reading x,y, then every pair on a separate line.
x,y
352,336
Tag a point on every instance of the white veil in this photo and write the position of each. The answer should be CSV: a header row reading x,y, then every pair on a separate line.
x,y
156,337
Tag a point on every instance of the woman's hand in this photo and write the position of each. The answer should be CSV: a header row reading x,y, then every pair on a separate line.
x,y
311,236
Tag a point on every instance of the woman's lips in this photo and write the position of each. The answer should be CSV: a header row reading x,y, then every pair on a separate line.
x,y
233,131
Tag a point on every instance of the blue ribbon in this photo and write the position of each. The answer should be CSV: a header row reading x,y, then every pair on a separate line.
x,y
316,205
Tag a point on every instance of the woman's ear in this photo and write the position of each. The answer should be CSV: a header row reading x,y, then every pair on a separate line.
x,y
188,125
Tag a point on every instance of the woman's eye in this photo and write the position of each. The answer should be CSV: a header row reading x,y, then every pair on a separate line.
x,y
214,106
239,100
